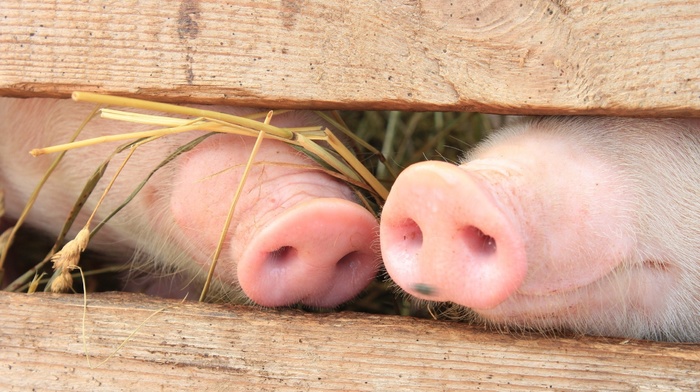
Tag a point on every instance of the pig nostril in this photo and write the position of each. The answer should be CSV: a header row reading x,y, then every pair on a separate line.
x,y
349,261
479,243
412,234
288,254
282,255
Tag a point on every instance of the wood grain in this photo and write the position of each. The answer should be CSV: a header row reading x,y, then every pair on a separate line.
x,y
527,57
196,346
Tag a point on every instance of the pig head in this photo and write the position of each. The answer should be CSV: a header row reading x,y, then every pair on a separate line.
x,y
585,224
297,235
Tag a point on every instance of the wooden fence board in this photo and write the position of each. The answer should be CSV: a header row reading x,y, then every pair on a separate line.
x,y
195,346
527,57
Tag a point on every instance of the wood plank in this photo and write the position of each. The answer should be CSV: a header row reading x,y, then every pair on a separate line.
x,y
500,56
196,346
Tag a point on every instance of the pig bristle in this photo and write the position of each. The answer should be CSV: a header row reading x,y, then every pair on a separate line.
x,y
173,269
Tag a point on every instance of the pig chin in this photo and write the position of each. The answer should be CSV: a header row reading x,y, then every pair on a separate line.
x,y
632,300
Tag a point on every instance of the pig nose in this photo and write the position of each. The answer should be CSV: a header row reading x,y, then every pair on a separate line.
x,y
321,252
444,237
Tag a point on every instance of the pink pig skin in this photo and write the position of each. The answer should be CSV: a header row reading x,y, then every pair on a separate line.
x,y
297,235
585,224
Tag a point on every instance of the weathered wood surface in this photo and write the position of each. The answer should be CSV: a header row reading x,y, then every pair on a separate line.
x,y
214,347
530,57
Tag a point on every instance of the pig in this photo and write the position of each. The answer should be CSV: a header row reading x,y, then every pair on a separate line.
x,y
582,224
298,236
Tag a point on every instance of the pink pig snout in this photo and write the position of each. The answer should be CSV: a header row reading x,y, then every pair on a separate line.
x,y
445,238
295,237
318,253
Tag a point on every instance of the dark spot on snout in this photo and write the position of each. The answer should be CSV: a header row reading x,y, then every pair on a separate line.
x,y
424,289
